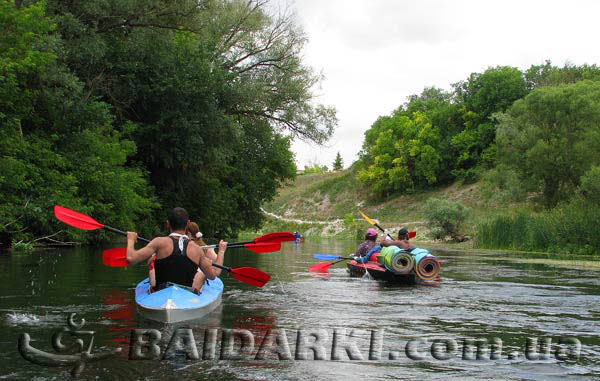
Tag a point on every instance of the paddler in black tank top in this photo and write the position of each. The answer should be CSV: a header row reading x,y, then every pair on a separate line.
x,y
177,258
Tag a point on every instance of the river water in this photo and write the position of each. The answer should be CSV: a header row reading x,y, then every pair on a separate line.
x,y
390,332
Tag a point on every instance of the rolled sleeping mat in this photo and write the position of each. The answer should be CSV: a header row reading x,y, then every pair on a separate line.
x,y
427,267
396,260
402,262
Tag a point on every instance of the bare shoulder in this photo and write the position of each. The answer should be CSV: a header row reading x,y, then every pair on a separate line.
x,y
193,247
162,245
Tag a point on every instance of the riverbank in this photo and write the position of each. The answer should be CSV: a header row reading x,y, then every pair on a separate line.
x,y
326,205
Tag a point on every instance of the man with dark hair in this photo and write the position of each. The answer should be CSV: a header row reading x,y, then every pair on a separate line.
x,y
178,218
177,258
401,242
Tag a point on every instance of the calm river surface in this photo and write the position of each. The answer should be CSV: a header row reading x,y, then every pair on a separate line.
x,y
482,296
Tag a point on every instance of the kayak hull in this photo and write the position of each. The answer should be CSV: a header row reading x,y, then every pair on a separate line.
x,y
176,303
379,272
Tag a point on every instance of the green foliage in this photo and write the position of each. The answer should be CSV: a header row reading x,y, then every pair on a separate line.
x,y
548,75
590,185
353,226
115,108
454,135
313,167
338,164
444,217
405,155
482,95
502,184
551,138
57,145
214,89
569,228
22,246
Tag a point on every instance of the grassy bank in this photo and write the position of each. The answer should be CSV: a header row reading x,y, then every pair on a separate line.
x,y
324,205
318,205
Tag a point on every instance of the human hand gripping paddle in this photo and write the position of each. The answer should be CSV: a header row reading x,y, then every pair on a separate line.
x,y
112,257
374,223
267,243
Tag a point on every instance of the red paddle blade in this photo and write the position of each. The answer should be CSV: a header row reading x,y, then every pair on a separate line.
x,y
320,268
276,237
412,234
251,276
77,220
115,257
263,247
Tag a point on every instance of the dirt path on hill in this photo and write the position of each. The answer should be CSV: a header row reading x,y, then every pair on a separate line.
x,y
337,225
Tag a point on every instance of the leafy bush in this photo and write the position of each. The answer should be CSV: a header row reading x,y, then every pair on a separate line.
x,y
590,184
444,217
502,184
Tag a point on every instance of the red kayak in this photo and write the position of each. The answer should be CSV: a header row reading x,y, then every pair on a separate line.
x,y
379,272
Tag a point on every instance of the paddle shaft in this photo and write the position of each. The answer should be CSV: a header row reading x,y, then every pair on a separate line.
x,y
222,267
383,230
111,229
142,239
121,232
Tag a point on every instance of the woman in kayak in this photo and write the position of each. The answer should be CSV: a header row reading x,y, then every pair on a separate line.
x,y
401,242
193,231
369,243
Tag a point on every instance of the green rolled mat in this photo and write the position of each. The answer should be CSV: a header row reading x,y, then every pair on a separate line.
x,y
396,260
427,267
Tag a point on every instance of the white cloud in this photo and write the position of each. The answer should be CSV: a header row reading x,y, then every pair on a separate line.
x,y
376,53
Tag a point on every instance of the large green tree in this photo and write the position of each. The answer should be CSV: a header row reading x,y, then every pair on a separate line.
x,y
57,144
215,89
480,96
552,137
405,155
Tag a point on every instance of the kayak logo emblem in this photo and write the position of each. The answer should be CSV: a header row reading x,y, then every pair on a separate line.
x,y
74,355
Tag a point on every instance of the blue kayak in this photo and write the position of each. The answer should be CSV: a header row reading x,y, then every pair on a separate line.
x,y
177,303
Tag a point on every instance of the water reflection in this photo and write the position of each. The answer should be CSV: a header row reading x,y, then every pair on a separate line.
x,y
482,296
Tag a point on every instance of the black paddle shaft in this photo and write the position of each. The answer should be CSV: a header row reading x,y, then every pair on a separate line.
x,y
113,230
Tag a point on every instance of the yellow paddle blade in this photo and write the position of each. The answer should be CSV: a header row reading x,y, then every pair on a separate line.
x,y
372,222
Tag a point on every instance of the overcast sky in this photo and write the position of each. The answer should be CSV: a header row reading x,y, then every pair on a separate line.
x,y
376,53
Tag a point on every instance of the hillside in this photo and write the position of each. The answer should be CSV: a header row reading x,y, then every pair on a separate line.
x,y
316,205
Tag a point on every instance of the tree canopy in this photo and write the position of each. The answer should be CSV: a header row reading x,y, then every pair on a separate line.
x,y
552,138
127,108
439,136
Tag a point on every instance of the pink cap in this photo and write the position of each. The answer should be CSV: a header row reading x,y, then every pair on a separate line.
x,y
371,231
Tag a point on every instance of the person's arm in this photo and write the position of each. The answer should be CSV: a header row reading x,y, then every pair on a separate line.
x,y
210,254
402,244
388,242
134,256
206,266
367,257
